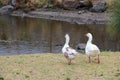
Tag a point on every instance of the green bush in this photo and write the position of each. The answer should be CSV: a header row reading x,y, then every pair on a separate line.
x,y
43,2
0,3
115,18
4,2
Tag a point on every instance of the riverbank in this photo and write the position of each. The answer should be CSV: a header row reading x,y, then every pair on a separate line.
x,y
78,17
54,67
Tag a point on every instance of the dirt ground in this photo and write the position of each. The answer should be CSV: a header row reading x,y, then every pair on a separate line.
x,y
78,17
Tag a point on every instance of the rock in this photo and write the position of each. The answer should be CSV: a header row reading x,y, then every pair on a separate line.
x,y
81,11
70,4
99,6
6,9
81,46
84,3
12,2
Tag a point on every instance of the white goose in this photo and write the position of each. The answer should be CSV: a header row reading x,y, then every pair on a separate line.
x,y
91,49
68,52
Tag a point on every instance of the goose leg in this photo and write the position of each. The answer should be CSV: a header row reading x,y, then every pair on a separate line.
x,y
66,55
89,59
98,60
69,62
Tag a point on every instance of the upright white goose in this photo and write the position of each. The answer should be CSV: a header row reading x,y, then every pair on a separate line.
x,y
91,49
68,52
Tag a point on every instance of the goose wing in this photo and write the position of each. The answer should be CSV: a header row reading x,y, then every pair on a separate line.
x,y
71,51
91,49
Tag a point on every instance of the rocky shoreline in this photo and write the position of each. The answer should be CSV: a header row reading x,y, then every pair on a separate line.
x,y
82,17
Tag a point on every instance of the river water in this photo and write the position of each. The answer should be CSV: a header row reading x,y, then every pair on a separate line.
x,y
29,35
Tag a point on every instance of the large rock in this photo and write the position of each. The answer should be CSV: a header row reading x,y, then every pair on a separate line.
x,y
6,9
99,6
70,4
84,4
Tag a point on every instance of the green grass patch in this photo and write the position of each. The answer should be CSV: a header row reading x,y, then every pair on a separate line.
x,y
54,67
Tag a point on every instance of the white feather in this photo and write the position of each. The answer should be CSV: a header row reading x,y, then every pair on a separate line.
x,y
91,49
67,49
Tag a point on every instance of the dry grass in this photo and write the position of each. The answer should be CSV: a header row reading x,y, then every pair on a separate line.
x,y
109,1
53,67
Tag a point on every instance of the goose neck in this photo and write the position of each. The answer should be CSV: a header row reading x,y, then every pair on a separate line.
x,y
89,39
67,41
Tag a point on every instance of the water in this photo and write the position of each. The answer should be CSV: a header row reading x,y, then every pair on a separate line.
x,y
28,35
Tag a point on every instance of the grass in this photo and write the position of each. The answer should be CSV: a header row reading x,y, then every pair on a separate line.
x,y
54,67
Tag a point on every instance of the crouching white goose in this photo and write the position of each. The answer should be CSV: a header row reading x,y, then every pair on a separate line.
x,y
91,49
68,52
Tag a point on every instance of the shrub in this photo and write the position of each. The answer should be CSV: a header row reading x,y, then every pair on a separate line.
x,y
4,2
114,28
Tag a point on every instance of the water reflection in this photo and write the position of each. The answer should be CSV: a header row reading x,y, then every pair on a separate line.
x,y
29,35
